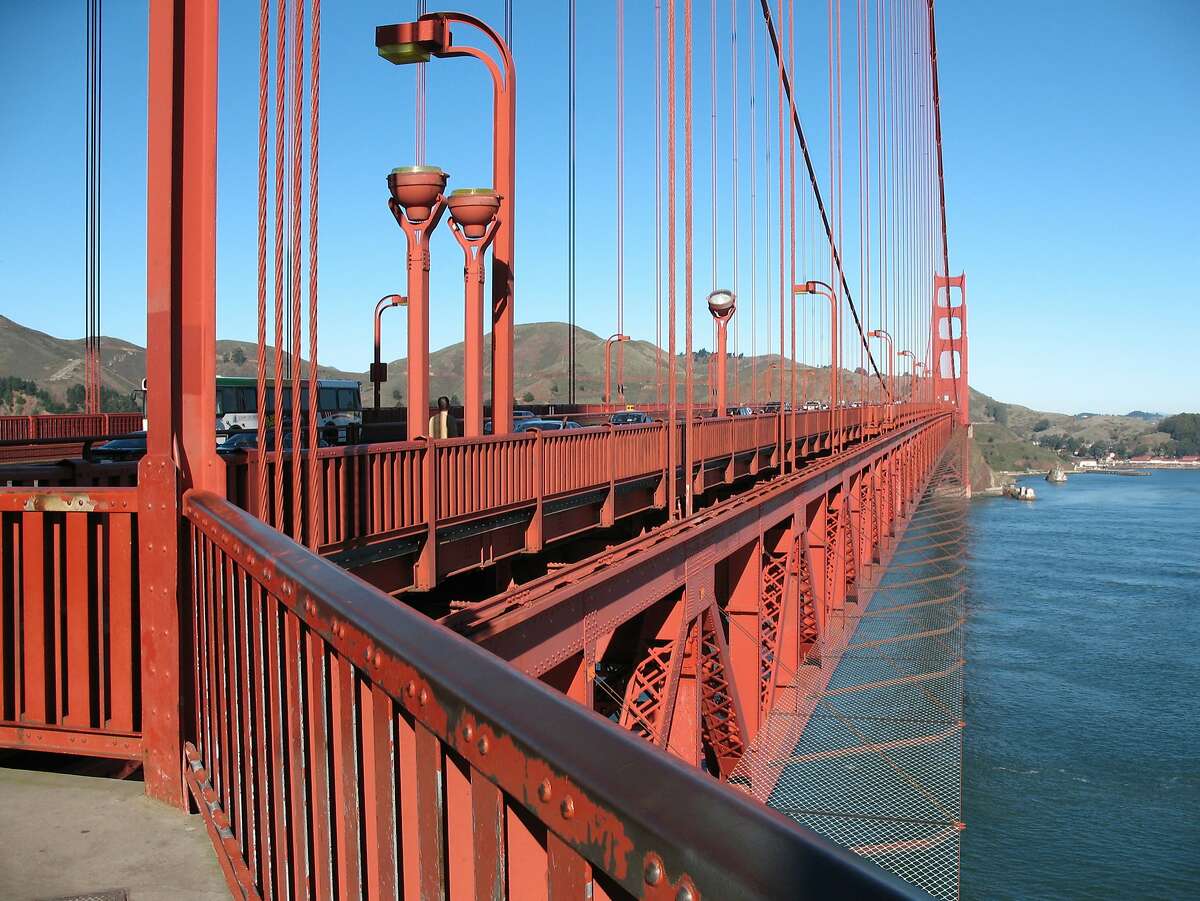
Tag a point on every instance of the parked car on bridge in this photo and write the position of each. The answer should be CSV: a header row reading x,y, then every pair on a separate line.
x,y
127,448
545,425
739,411
518,416
630,417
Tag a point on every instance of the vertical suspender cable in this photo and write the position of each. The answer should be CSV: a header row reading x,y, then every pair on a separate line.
x,y
712,162
620,196
688,255
658,163
264,40
297,162
753,222
92,153
419,104
314,498
570,204
779,57
734,140
672,424
787,294
277,371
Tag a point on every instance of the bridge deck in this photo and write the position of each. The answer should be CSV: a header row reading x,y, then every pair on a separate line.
x,y
67,834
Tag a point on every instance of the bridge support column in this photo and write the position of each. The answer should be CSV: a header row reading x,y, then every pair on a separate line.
x,y
180,360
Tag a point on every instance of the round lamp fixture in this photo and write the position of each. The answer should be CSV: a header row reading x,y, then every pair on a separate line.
x,y
416,189
721,303
473,209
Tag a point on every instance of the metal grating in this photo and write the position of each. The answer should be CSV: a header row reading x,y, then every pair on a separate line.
x,y
871,756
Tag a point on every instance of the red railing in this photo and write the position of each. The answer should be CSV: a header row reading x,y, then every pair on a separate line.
x,y
67,425
346,746
379,492
69,621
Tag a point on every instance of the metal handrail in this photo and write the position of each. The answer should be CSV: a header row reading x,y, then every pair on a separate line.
x,y
651,823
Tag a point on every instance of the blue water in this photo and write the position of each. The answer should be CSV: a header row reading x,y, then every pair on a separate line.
x,y
1082,767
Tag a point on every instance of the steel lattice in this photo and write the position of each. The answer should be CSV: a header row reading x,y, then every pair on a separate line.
x,y
867,748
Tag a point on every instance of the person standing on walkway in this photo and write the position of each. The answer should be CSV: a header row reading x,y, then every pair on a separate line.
x,y
441,423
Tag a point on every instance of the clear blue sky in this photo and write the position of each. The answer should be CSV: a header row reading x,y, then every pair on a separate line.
x,y
1070,134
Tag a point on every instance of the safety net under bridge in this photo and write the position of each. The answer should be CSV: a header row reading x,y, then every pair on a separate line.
x,y
866,748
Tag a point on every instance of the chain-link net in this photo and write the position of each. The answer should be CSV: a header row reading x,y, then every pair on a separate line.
x,y
866,747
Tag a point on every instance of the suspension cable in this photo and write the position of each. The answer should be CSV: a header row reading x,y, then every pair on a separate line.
x,y
658,354
812,176
570,205
620,212
264,40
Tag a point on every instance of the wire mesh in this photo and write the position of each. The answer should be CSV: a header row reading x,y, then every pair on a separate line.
x,y
865,747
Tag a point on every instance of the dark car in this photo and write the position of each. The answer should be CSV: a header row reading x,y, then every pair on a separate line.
x,y
239,441
244,441
518,416
544,425
630,417
127,448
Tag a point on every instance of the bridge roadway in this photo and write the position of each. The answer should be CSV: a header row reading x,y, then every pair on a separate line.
x,y
410,515
334,739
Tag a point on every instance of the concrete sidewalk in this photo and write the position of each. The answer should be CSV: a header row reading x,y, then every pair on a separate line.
x,y
64,835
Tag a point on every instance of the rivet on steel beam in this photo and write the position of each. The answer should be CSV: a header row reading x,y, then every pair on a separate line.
x,y
483,744
568,808
544,790
378,658
685,893
411,689
654,870
423,697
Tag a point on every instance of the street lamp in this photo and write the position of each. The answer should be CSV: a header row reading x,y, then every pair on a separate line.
x,y
819,287
416,42
924,374
880,333
722,304
417,205
608,343
378,367
912,370
474,223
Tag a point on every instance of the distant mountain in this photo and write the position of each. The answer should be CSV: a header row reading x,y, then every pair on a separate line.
x,y
1149,417
540,363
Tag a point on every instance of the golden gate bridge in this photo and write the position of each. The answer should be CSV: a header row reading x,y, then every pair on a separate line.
x,y
714,654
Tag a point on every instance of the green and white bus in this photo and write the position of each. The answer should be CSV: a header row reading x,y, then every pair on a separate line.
x,y
339,404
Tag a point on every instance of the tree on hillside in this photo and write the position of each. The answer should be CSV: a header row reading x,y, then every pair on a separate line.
x,y
238,356
1041,425
1184,430
997,411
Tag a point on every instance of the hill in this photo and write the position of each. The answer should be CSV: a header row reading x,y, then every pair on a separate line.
x,y
54,365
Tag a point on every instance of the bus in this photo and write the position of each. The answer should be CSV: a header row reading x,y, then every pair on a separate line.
x,y
339,404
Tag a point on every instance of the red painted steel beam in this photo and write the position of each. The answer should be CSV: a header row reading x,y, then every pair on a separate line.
x,y
62,740
541,624
598,790
180,364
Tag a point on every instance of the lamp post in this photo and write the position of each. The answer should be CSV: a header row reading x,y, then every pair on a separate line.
x,y
912,371
819,287
474,223
415,42
417,205
378,367
608,343
924,375
722,304
880,333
